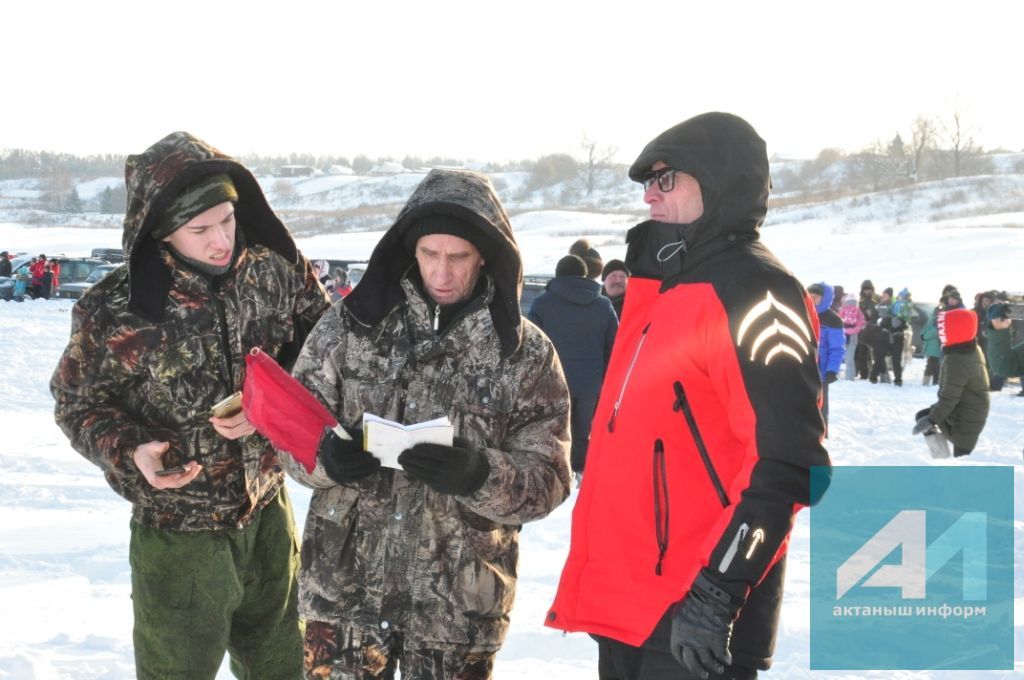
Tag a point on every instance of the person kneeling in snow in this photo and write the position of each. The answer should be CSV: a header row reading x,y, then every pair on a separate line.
x,y
959,415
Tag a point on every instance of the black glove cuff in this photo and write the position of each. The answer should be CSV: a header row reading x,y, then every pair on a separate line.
x,y
719,593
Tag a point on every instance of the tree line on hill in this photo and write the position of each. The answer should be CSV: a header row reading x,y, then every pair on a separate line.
x,y
936,149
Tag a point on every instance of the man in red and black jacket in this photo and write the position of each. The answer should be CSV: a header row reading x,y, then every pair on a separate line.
x,y
707,427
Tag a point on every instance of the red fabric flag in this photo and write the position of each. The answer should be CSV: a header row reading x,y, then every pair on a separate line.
x,y
283,410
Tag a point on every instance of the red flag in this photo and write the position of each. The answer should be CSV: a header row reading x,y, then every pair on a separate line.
x,y
283,410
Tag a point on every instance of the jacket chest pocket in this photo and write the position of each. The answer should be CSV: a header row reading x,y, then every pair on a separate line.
x,y
180,379
482,407
267,327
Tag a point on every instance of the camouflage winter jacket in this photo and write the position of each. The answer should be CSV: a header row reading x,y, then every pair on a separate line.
x,y
155,344
387,551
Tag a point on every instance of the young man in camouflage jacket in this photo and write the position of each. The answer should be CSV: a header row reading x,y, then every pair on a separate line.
x,y
415,568
210,272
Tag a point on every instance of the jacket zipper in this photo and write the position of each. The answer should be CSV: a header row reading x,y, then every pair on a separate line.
x,y
437,319
683,404
227,374
661,508
625,381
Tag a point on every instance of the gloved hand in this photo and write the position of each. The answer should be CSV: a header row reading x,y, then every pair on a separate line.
x,y
925,426
702,627
344,460
830,377
459,470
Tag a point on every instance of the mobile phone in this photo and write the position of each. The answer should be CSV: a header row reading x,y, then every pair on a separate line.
x,y
170,471
228,407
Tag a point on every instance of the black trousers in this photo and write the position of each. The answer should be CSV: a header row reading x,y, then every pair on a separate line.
x,y
619,661
582,414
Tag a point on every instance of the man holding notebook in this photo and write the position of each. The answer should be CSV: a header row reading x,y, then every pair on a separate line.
x,y
411,565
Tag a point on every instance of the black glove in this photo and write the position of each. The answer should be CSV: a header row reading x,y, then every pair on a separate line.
x,y
925,426
458,470
702,627
830,377
345,460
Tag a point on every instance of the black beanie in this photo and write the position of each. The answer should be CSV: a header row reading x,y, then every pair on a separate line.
x,y
448,224
947,289
888,291
571,265
614,266
867,284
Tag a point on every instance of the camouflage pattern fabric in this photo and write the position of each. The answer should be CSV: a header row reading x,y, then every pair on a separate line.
x,y
389,551
348,653
125,380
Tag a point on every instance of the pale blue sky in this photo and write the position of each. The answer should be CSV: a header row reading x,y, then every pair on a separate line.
x,y
499,80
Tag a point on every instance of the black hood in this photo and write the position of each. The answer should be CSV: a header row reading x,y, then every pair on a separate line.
x,y
575,289
730,162
470,197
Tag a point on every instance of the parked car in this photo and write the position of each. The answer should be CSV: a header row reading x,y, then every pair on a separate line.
x,y
533,286
72,270
108,254
75,289
76,269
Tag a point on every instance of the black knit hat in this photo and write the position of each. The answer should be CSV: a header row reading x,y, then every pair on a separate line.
x,y
888,291
867,285
449,224
614,266
947,289
571,265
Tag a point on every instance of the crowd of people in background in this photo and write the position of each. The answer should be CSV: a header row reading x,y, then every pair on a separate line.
x,y
39,278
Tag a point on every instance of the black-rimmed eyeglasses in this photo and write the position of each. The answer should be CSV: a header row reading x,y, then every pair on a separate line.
x,y
666,179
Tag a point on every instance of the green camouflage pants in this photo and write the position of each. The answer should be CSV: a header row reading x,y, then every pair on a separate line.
x,y
344,652
198,594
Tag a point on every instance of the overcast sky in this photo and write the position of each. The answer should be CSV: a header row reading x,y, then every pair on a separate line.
x,y
500,80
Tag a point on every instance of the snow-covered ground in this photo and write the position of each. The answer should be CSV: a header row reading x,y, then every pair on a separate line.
x,y
64,579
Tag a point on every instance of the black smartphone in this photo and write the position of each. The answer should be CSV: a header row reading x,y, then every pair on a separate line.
x,y
177,470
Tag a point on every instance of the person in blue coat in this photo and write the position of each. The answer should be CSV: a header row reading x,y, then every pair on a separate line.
x,y
581,324
831,345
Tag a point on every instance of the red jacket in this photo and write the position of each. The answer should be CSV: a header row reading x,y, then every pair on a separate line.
x,y
690,372
708,422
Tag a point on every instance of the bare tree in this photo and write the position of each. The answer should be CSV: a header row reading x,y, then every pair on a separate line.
x,y
284,191
922,141
962,149
592,161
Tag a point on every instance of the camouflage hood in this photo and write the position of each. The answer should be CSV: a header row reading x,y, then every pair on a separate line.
x,y
154,178
470,197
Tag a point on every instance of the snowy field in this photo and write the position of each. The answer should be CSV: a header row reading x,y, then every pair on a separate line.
x,y
64,578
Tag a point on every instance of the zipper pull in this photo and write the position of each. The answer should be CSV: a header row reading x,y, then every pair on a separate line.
x,y
437,318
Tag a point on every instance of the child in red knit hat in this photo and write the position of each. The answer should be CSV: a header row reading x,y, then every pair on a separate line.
x,y
959,415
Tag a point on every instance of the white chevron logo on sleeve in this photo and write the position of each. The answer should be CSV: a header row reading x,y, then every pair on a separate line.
x,y
785,335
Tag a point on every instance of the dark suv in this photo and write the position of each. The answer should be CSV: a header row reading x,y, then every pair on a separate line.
x,y
75,270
